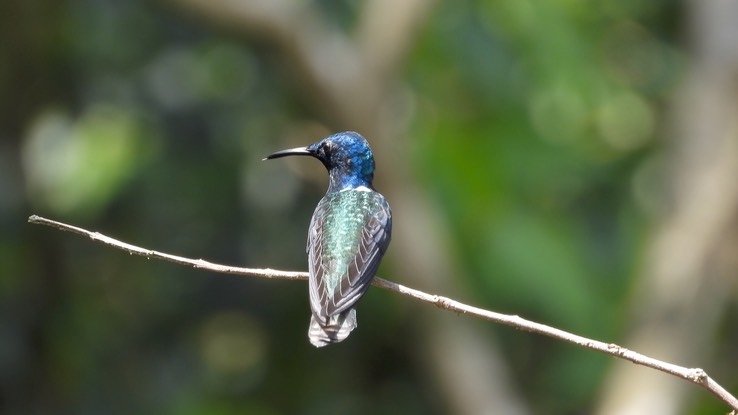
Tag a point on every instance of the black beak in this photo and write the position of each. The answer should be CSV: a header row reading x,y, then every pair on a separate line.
x,y
299,151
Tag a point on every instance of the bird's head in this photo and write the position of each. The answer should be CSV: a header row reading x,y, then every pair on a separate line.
x,y
346,155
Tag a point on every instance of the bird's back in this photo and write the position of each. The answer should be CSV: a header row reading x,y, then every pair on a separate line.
x,y
349,233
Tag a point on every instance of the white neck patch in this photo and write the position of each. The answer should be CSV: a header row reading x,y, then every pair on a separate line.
x,y
360,189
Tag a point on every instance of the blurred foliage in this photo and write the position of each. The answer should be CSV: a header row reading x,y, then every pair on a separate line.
x,y
535,163
535,127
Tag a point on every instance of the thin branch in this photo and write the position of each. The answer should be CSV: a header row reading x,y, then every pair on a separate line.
x,y
694,375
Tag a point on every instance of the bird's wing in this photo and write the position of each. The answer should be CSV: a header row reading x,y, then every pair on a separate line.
x,y
335,286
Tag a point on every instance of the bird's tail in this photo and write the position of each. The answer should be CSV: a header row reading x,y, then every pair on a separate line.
x,y
335,330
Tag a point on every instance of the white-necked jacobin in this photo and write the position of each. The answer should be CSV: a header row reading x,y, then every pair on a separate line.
x,y
348,234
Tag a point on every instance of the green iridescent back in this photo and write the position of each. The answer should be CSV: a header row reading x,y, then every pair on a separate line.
x,y
349,233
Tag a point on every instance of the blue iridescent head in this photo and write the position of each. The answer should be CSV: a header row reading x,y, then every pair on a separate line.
x,y
346,155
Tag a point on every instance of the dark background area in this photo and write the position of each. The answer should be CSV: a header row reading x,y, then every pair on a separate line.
x,y
571,162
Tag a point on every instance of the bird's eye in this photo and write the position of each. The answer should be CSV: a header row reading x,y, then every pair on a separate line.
x,y
327,148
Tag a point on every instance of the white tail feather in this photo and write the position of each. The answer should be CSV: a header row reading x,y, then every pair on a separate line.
x,y
336,330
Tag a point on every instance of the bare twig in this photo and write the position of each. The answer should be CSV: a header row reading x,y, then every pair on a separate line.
x,y
694,375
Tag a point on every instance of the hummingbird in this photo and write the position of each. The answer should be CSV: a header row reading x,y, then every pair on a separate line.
x,y
348,235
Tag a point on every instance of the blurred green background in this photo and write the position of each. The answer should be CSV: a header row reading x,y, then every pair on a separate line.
x,y
571,162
